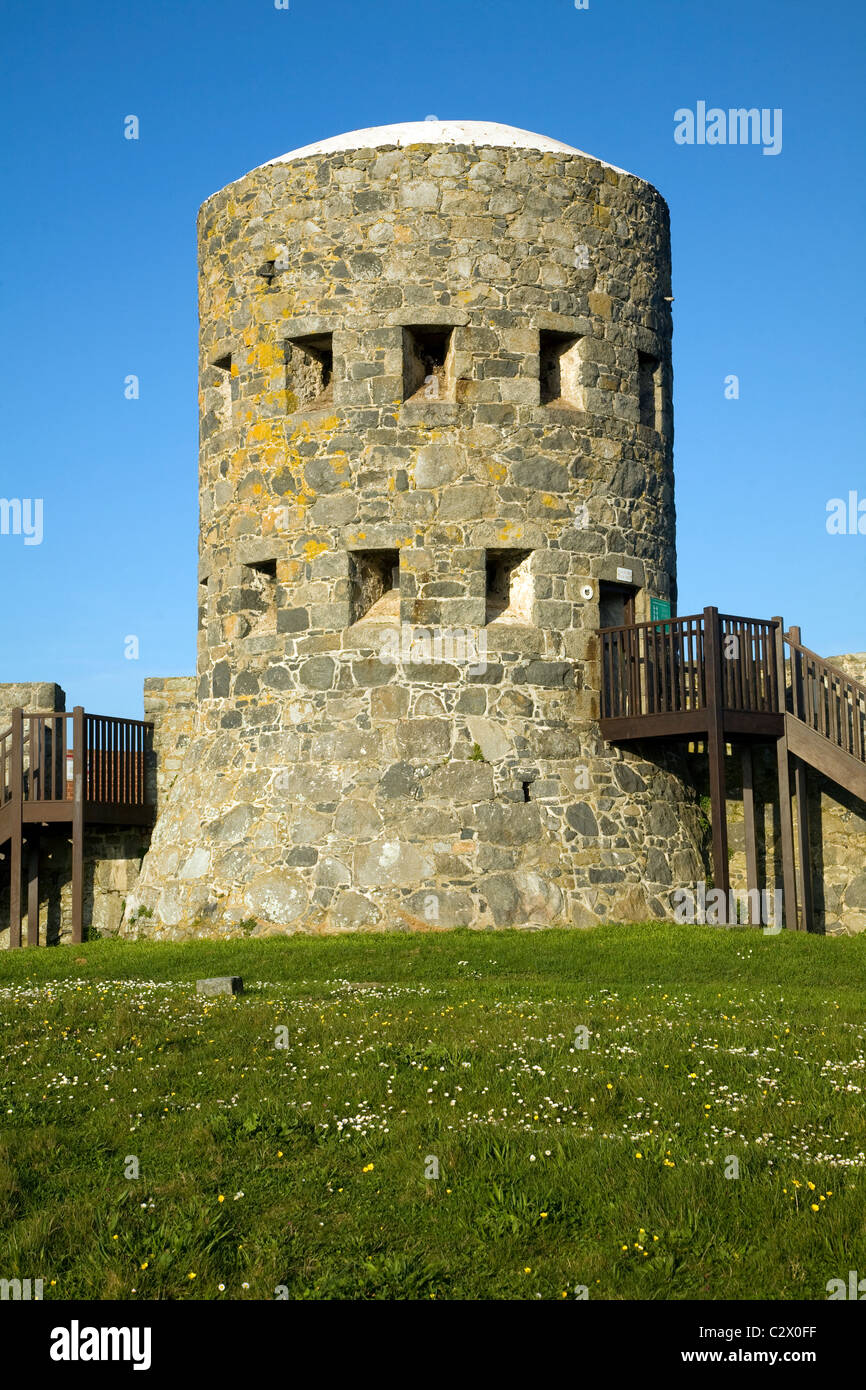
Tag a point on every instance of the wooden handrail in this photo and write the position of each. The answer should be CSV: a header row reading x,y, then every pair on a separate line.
x,y
826,699
668,667
108,754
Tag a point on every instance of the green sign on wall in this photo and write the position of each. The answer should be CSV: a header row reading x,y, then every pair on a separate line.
x,y
659,608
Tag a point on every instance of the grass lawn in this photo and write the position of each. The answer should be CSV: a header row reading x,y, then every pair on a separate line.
x,y
306,1167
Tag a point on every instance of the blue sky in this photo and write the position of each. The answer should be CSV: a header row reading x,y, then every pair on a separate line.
x,y
98,274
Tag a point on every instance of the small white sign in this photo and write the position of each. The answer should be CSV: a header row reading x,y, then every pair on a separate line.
x,y
624,575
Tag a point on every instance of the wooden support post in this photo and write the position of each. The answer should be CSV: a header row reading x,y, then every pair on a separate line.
x,y
749,827
78,793
15,856
33,890
786,824
787,834
716,750
807,903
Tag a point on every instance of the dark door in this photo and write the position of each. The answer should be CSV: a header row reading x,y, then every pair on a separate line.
x,y
615,604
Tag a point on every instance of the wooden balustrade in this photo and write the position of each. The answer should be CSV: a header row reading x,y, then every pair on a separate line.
x,y
75,767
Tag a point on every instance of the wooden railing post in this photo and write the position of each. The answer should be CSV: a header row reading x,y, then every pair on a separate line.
x,y
796,673
716,750
79,765
786,824
16,784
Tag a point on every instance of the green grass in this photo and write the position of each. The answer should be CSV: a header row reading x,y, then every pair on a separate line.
x,y
703,1043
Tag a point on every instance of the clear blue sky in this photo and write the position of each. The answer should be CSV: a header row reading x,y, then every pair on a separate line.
x,y
98,274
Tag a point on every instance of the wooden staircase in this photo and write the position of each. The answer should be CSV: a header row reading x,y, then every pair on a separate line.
x,y
78,769
725,679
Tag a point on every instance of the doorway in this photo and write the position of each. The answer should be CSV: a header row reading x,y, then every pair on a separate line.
x,y
616,604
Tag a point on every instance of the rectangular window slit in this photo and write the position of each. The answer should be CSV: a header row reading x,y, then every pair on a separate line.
x,y
258,597
649,382
427,363
309,371
374,579
510,589
559,364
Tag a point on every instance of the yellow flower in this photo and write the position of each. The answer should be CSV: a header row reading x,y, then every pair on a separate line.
x,y
811,1186
610,1085
526,1269
544,1214
815,1206
638,1155
190,1276
368,1168
221,1198
144,1266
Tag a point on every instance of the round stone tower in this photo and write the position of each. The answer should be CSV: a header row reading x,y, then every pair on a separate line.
x,y
436,455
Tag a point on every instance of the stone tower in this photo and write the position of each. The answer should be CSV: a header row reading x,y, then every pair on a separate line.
x,y
436,454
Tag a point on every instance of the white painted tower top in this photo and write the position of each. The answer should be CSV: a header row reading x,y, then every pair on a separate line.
x,y
432,131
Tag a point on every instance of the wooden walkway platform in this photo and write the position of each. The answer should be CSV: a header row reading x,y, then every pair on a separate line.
x,y
82,769
726,679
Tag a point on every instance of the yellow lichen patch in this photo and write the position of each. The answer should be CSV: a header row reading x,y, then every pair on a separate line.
x,y
263,355
548,500
497,471
314,548
402,233
601,214
510,531
265,432
612,176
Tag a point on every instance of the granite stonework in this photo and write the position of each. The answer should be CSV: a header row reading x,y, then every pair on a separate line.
x,y
170,706
449,363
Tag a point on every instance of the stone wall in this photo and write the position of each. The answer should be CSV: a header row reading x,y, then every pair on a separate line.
x,y
31,695
853,664
453,360
170,705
